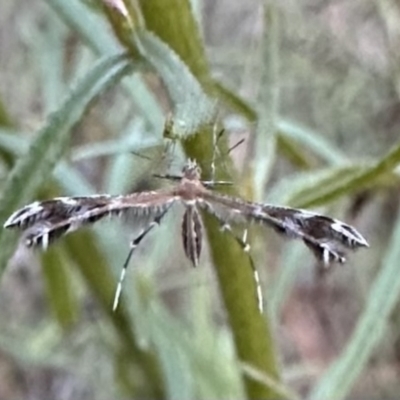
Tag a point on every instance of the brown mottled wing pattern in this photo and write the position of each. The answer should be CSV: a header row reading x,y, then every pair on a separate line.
x,y
328,238
45,221
192,234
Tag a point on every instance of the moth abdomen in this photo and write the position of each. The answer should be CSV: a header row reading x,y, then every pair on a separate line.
x,y
192,234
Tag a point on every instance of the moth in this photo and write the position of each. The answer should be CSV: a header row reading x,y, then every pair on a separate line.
x,y
45,221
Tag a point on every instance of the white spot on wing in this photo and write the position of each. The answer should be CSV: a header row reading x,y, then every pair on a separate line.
x,y
304,214
69,201
18,217
349,232
338,227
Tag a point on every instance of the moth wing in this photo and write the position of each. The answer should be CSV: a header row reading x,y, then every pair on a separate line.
x,y
325,236
46,221
55,210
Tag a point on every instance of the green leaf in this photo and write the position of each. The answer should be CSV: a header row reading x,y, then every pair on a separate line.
x,y
314,141
346,181
234,101
268,104
296,189
291,151
192,107
288,130
35,168
179,59
48,54
96,34
13,142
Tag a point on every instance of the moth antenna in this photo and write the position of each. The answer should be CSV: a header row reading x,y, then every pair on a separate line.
x,y
216,137
168,177
137,154
237,144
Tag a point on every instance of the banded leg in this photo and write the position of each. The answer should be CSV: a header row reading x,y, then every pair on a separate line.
x,y
246,248
135,243
244,244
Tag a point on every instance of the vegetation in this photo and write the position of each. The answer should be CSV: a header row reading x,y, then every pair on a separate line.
x,y
88,83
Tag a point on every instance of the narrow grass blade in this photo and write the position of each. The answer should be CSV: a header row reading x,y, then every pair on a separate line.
x,y
234,101
193,108
314,141
33,169
264,150
287,129
13,141
280,388
338,185
96,34
296,189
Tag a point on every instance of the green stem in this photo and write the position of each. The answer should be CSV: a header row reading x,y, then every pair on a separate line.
x,y
174,23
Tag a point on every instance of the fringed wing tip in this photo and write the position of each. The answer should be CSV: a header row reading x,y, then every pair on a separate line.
x,y
351,237
10,222
13,220
25,214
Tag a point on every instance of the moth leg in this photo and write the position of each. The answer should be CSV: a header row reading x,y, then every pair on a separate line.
x,y
244,244
246,248
135,243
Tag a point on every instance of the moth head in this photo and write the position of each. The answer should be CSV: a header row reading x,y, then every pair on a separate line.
x,y
191,170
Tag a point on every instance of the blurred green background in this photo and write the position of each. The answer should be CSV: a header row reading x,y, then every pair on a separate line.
x,y
314,89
